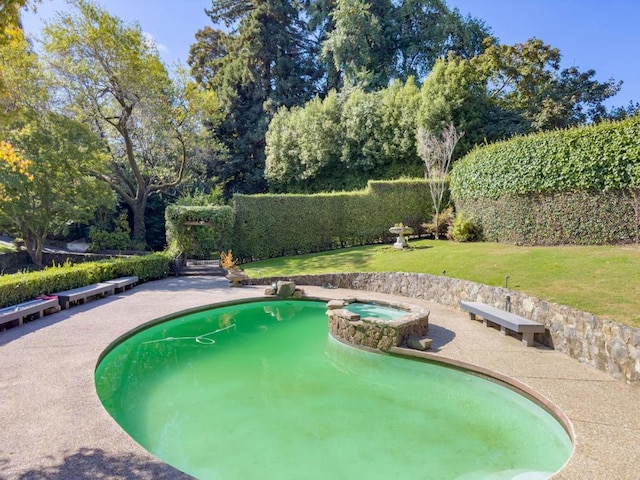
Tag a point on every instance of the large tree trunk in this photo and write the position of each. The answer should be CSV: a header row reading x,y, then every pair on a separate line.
x,y
139,228
34,245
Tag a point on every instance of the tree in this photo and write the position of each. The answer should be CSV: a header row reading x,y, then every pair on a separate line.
x,y
398,106
264,61
14,164
342,141
274,53
620,113
320,25
526,78
361,42
10,17
45,158
509,90
23,84
455,92
437,151
304,147
427,30
57,187
114,81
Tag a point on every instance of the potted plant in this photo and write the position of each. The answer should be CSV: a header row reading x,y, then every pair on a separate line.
x,y
235,275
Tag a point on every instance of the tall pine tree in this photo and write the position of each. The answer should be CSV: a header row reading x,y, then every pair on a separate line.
x,y
264,61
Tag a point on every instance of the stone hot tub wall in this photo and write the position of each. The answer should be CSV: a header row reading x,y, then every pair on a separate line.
x,y
600,343
376,333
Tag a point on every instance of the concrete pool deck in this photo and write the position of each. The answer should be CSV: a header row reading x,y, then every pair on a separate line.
x,y
54,427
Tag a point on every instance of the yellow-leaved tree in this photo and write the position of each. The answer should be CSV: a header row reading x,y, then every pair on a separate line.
x,y
48,162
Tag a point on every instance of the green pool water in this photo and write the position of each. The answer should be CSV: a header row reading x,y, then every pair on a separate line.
x,y
260,391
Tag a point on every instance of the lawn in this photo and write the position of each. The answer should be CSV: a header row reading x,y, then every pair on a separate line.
x,y
6,249
604,280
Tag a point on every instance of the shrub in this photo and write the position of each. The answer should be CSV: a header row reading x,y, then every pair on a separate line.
x,y
227,261
464,229
581,218
266,226
119,239
574,186
445,219
21,287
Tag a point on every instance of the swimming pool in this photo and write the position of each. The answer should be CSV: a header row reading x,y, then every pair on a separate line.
x,y
260,390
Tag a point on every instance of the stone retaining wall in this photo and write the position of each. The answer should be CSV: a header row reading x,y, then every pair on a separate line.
x,y
600,343
9,262
61,258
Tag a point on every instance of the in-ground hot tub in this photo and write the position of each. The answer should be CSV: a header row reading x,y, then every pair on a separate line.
x,y
260,390
379,325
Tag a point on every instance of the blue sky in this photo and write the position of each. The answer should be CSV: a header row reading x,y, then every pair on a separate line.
x,y
591,34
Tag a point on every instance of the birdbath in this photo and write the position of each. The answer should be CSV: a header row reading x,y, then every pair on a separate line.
x,y
401,231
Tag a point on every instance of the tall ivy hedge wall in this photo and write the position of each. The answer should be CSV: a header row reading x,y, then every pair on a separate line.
x,y
269,226
199,232
574,218
575,186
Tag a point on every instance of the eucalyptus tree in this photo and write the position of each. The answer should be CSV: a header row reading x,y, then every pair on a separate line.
x,y
111,77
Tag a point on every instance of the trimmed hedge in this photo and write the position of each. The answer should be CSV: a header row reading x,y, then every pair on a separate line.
x,y
269,226
199,241
575,218
601,158
576,186
21,287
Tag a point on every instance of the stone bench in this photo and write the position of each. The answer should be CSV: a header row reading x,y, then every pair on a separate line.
x,y
32,307
81,294
506,320
123,283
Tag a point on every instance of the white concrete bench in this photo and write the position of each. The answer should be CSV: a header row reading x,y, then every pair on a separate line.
x,y
81,294
506,320
22,310
123,283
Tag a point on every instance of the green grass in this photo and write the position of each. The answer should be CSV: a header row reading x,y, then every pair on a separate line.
x,y
604,280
